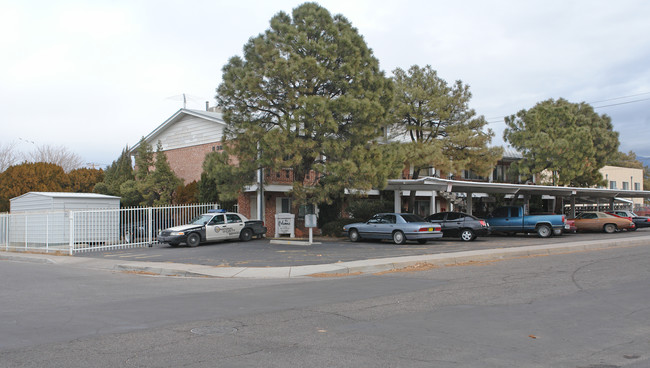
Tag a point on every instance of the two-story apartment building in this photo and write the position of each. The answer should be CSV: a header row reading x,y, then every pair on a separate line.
x,y
188,135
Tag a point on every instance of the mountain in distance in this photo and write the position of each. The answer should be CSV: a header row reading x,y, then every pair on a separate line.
x,y
645,160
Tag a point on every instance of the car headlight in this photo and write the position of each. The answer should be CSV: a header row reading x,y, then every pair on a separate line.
x,y
176,233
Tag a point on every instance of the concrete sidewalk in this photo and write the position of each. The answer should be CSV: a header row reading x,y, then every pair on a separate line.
x,y
324,270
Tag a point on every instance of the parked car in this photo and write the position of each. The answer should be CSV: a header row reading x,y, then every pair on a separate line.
x,y
601,221
639,221
212,226
570,226
512,220
458,224
399,227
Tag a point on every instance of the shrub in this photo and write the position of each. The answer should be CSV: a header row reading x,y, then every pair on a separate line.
x,y
364,209
335,228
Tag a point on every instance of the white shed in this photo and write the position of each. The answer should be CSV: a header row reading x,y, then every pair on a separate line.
x,y
43,218
61,201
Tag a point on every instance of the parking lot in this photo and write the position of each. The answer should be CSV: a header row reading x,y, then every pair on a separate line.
x,y
262,253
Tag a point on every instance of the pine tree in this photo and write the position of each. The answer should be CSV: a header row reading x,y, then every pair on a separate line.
x,y
115,175
157,187
308,96
441,130
569,140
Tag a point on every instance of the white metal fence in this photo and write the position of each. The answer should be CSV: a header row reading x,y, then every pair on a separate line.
x,y
91,230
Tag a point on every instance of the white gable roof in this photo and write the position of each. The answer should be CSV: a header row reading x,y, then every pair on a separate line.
x,y
187,128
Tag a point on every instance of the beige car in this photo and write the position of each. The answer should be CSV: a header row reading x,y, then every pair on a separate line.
x,y
600,221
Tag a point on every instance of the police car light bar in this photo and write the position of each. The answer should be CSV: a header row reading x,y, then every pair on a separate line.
x,y
217,211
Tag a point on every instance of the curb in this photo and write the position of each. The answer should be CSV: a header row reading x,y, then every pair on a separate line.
x,y
354,268
21,258
351,268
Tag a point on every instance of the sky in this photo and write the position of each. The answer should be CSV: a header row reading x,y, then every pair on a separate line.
x,y
95,76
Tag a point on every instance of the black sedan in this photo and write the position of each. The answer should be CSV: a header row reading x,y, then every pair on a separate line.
x,y
639,221
458,224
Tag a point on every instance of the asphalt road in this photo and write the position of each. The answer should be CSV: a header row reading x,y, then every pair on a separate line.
x,y
579,310
261,253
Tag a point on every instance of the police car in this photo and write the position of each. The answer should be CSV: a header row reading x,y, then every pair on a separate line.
x,y
215,225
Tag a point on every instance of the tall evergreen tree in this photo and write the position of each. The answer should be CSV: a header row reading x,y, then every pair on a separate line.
x,y
144,160
308,96
569,140
115,175
624,160
441,130
159,185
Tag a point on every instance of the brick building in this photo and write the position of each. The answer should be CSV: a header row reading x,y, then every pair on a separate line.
x,y
188,135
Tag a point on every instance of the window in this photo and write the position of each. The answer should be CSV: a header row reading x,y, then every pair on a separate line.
x,y
286,205
637,186
612,184
438,216
423,208
626,185
471,175
389,219
306,209
217,220
233,218
407,217
453,216
501,212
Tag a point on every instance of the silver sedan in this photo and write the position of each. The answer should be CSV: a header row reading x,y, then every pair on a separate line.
x,y
398,227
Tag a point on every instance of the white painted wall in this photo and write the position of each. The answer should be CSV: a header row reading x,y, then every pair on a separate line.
x,y
189,131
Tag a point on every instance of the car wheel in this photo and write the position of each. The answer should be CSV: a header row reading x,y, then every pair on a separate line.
x,y
193,240
246,235
467,235
354,235
399,238
609,228
544,231
422,241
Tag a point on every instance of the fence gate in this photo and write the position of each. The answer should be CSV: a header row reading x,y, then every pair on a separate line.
x,y
92,230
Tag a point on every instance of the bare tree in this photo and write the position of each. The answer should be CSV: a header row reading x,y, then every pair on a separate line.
x,y
8,155
58,155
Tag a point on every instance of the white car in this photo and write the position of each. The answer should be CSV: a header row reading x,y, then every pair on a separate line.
x,y
213,226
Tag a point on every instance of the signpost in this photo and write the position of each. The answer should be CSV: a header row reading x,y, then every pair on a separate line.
x,y
310,222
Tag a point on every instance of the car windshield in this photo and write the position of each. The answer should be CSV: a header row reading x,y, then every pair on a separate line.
x,y
408,217
201,220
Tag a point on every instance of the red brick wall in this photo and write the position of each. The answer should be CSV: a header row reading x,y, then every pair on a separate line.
x,y
244,204
187,162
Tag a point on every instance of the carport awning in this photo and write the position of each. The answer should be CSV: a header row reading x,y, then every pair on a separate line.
x,y
445,185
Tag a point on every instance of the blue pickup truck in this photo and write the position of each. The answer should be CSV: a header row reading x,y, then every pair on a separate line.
x,y
513,219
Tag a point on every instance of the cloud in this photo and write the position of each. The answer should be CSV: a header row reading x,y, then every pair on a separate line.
x,y
95,76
